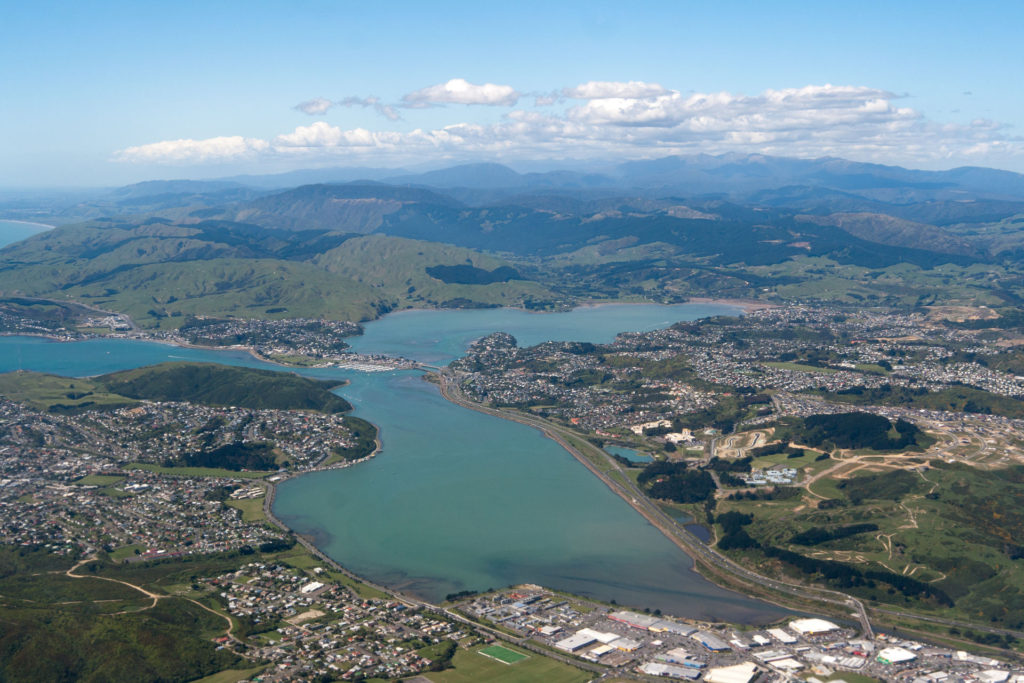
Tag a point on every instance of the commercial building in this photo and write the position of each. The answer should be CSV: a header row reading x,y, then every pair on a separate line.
x,y
895,655
710,641
575,642
782,636
740,673
812,627
669,671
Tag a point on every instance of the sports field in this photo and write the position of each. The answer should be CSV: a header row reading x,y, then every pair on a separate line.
x,y
470,667
503,654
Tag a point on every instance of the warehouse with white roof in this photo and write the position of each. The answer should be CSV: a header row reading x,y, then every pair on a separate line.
x,y
812,627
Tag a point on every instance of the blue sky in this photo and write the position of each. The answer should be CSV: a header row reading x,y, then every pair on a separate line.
x,y
110,93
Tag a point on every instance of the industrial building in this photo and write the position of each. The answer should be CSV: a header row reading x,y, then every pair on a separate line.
x,y
669,671
646,622
782,636
710,641
739,673
575,642
895,655
812,627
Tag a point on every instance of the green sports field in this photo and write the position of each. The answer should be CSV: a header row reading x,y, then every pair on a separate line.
x,y
503,654
471,667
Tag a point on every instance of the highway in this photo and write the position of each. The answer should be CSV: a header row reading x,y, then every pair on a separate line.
x,y
675,532
623,486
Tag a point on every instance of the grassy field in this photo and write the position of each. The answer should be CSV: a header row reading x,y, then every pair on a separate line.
x,y
871,368
127,551
849,677
50,392
503,654
300,558
232,675
195,471
252,509
99,480
801,368
473,667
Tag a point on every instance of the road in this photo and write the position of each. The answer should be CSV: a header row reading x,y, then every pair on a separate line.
x,y
686,541
156,597
672,530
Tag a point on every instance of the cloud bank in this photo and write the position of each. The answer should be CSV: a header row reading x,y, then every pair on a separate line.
x,y
595,90
625,120
461,91
319,106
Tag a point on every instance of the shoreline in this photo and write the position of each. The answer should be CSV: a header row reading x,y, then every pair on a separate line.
x,y
686,541
748,305
410,598
15,220
702,555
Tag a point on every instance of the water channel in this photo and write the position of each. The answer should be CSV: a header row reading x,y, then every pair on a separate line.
x,y
458,500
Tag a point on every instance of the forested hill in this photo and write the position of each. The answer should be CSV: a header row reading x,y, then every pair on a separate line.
x,y
160,272
221,385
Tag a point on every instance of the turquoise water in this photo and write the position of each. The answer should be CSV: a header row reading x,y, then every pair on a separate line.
x,y
100,356
459,500
11,231
628,453
442,336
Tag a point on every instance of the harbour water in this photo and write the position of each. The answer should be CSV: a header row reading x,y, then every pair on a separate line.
x,y
630,454
458,500
15,231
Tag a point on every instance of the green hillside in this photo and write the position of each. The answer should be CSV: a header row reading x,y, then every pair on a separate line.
x,y
159,273
58,394
397,267
60,628
222,385
204,383
259,288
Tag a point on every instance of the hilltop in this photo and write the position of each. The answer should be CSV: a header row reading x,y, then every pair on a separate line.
x,y
160,272
202,383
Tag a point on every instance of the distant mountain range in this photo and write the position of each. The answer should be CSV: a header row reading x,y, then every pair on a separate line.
x,y
823,185
485,234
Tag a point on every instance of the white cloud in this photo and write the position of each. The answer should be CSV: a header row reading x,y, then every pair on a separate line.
x,y
318,106
323,135
820,120
595,90
227,148
809,106
461,91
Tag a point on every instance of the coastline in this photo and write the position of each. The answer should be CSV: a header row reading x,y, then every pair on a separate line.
x,y
167,342
703,557
748,305
667,528
14,220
